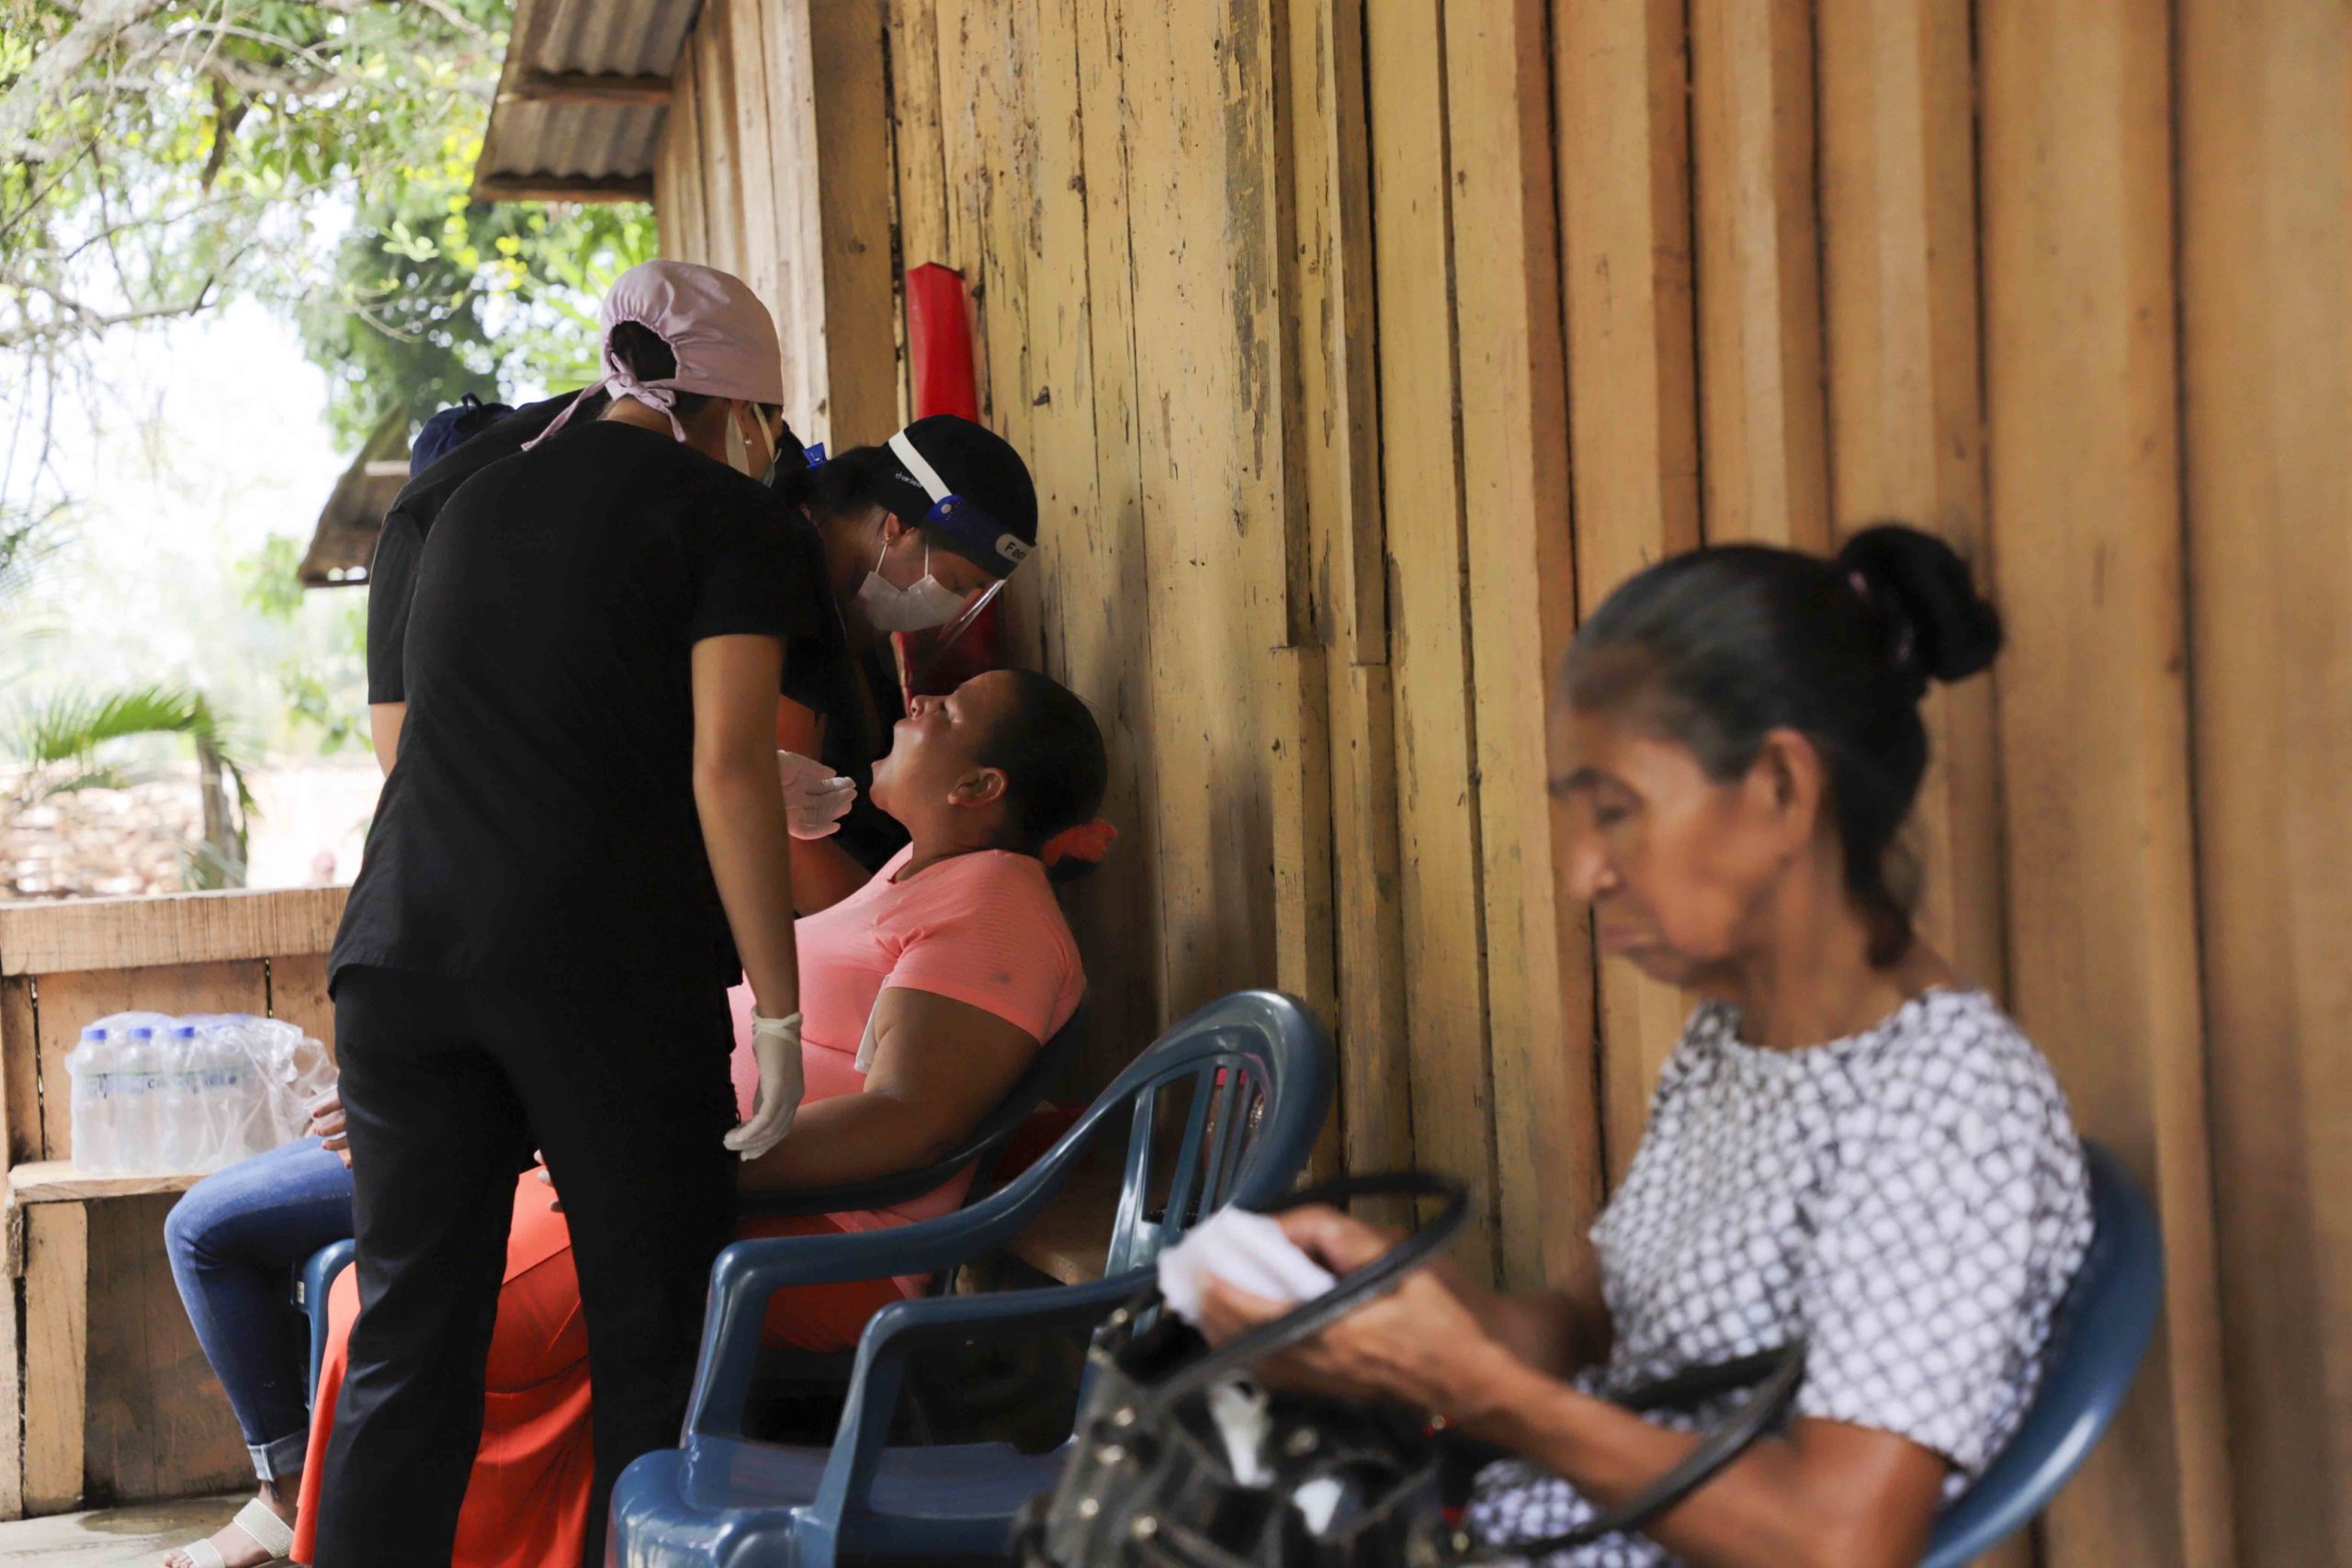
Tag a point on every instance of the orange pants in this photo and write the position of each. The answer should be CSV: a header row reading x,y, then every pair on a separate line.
x,y
527,1506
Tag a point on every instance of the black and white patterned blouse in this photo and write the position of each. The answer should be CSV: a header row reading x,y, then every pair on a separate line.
x,y
1912,1201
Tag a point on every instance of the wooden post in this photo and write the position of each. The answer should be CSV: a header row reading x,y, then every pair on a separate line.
x,y
57,1334
1513,388
678,201
1759,277
1429,634
1625,256
2265,233
1199,126
716,84
2084,486
853,176
1337,592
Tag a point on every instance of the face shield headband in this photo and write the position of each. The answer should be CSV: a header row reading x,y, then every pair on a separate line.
x,y
976,534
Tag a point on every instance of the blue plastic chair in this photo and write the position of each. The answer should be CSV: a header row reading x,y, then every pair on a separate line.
x,y
723,1501
2099,1339
310,1287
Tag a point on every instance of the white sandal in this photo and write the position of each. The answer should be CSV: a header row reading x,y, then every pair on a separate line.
x,y
257,1519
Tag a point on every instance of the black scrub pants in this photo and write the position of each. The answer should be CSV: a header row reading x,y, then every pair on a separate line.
x,y
447,1086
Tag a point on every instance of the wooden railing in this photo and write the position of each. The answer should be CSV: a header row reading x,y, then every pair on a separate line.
x,y
104,1394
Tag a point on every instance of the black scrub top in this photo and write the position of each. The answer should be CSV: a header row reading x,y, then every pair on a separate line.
x,y
540,821
391,575
816,658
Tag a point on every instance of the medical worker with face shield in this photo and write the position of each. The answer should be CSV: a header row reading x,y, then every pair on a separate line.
x,y
915,533
581,846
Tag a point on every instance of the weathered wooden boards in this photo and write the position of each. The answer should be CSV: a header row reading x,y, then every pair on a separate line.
x,y
2264,126
189,927
1758,282
1429,634
1510,342
2084,512
110,1395
1359,348
775,163
1620,68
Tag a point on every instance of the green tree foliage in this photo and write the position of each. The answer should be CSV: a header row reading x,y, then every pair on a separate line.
x,y
158,157
320,678
436,296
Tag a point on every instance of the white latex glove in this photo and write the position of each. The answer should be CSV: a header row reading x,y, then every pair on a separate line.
x,y
775,1044
815,797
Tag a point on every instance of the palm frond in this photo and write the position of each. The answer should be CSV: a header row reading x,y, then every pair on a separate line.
x,y
43,786
72,724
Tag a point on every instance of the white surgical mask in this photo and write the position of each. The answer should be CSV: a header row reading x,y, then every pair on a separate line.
x,y
891,608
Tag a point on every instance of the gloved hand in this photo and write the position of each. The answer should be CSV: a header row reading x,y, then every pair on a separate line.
x,y
775,1044
815,797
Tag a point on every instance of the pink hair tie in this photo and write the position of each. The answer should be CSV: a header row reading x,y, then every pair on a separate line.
x,y
1088,841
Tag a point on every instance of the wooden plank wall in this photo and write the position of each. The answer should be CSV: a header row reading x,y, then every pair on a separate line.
x,y
767,98
1360,346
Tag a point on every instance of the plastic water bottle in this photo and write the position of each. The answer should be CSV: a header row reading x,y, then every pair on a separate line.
x,y
139,1095
217,1070
245,1124
181,1111
91,1065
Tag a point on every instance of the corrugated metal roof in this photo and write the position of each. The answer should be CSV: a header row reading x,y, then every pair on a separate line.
x,y
532,137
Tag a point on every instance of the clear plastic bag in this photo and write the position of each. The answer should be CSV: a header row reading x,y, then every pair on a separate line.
x,y
224,1087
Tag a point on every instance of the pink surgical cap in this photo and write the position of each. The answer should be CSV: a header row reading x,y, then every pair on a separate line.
x,y
722,336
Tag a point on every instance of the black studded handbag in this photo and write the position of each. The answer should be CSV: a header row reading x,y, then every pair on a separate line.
x,y
1153,1483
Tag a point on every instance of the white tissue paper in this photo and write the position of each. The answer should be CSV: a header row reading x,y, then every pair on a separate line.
x,y
1249,1251
1246,1250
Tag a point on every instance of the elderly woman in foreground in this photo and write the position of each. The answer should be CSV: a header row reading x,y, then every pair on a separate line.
x,y
1851,1145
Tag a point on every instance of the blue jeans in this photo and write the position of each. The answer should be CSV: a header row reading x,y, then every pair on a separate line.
x,y
235,1239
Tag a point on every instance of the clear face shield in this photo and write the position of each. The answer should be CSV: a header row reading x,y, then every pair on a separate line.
x,y
949,635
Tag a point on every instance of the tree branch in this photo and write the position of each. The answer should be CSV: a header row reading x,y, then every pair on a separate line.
x,y
86,319
94,30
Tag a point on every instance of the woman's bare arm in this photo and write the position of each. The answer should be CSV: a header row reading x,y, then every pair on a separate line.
x,y
1826,1494
384,721
741,810
939,1066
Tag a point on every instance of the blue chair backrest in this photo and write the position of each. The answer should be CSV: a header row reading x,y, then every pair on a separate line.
x,y
1251,1080
1259,1070
2100,1333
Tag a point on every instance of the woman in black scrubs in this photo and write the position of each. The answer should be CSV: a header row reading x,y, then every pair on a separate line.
x,y
863,514
581,846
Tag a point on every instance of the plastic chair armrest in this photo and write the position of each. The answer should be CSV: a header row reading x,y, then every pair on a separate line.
x,y
904,1327
748,1273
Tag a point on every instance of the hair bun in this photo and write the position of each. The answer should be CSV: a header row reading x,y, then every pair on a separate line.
x,y
1945,629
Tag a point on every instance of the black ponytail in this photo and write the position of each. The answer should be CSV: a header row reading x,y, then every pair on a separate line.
x,y
650,358
1721,646
647,356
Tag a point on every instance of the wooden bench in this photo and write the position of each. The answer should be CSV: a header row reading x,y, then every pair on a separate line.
x,y
103,1390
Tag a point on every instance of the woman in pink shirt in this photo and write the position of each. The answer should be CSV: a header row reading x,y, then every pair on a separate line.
x,y
924,995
